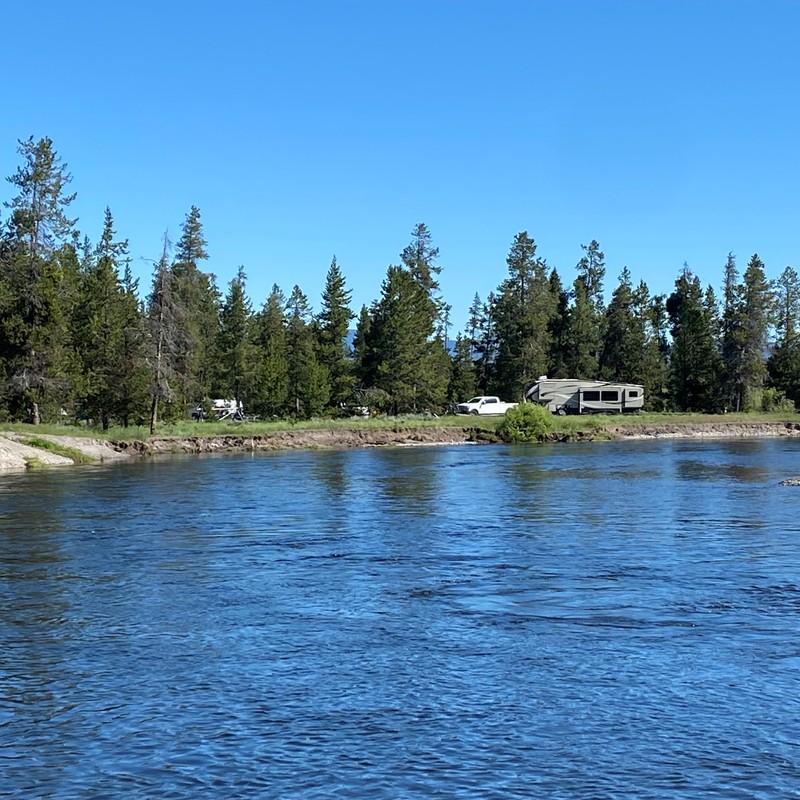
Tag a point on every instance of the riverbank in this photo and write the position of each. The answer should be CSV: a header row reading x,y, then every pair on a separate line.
x,y
28,451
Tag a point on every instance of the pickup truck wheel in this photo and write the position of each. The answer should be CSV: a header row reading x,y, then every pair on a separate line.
x,y
474,411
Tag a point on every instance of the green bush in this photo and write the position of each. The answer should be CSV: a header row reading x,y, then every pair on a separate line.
x,y
527,422
775,400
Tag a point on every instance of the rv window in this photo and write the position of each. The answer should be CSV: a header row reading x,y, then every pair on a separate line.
x,y
611,397
589,396
633,393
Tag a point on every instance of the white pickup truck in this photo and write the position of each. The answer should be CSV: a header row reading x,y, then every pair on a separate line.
x,y
484,405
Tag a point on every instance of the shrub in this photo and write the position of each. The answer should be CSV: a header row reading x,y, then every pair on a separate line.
x,y
78,456
775,400
527,422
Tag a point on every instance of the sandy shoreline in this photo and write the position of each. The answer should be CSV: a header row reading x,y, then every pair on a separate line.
x,y
16,455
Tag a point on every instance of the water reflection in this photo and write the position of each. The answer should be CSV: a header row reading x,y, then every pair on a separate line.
x,y
408,479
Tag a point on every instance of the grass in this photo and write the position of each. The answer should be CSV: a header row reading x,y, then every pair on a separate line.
x,y
54,447
190,428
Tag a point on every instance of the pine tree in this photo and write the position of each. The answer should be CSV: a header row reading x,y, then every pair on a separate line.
x,y
784,362
652,316
419,258
196,292
695,362
592,271
309,389
463,378
39,270
166,340
624,343
332,325
399,344
432,315
582,336
731,336
756,311
483,339
271,380
99,328
135,376
363,360
559,357
585,321
38,213
523,314
235,350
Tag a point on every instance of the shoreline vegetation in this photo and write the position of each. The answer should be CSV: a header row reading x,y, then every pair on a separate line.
x,y
80,339
21,448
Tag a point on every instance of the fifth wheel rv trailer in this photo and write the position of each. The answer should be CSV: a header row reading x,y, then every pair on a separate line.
x,y
570,396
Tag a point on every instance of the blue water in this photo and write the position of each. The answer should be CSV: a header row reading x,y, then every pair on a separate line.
x,y
610,620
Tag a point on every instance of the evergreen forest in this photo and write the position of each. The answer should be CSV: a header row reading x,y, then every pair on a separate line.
x,y
80,340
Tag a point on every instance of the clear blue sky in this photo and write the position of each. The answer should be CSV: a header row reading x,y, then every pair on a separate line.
x,y
668,131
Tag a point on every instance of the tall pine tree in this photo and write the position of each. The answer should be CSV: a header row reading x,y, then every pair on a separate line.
x,y
523,316
332,328
38,255
270,395
695,362
308,379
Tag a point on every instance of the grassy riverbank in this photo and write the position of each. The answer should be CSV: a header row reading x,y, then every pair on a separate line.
x,y
23,447
561,425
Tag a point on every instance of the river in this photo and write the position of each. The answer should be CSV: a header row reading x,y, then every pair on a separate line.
x,y
607,620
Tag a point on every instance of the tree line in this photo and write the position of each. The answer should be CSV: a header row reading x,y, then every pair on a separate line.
x,y
80,340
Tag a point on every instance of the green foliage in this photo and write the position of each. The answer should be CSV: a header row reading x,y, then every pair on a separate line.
x,y
522,314
773,400
583,329
77,456
757,307
76,342
582,336
235,350
332,326
557,329
463,378
39,268
695,364
102,323
164,338
270,394
783,364
527,422
402,358
309,388
197,298
747,312
624,343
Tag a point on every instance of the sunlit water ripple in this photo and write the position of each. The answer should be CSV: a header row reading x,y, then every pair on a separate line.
x,y
614,620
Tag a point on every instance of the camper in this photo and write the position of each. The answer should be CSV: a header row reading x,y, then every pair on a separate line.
x,y
571,396
219,409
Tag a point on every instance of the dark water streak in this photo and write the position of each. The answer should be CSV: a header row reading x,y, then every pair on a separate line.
x,y
587,621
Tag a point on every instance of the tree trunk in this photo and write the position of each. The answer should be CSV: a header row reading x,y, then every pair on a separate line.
x,y
153,414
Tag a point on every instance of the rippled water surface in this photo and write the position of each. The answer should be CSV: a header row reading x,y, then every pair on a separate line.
x,y
613,620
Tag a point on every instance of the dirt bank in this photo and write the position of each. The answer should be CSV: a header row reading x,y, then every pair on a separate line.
x,y
16,455
308,439
704,430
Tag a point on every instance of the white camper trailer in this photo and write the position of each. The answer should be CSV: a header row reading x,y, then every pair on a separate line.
x,y
571,396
